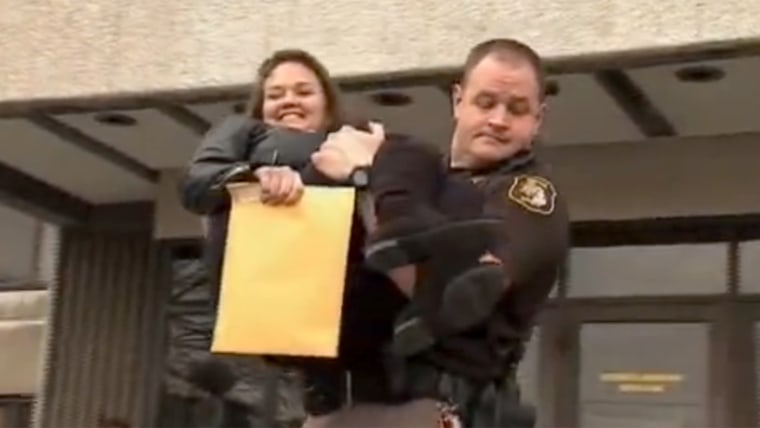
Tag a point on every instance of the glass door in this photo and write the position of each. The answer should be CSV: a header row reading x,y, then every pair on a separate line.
x,y
643,375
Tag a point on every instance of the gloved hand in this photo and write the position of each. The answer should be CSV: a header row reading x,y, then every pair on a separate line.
x,y
239,173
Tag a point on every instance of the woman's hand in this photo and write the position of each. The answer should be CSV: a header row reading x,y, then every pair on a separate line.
x,y
280,185
348,149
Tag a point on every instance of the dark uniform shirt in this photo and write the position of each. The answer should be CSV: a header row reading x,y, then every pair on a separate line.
x,y
532,248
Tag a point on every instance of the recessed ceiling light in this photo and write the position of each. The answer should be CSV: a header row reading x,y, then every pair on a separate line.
x,y
552,88
391,99
115,119
699,74
239,108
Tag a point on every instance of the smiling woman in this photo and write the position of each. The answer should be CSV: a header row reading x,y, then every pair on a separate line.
x,y
294,89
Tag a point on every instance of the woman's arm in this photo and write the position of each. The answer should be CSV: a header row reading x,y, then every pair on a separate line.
x,y
224,147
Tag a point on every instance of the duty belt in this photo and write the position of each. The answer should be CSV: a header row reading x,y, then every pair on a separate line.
x,y
329,391
477,404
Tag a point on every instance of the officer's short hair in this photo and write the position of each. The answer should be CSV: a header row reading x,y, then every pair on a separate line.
x,y
506,49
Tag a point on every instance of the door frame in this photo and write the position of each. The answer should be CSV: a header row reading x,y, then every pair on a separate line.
x,y
559,373
732,318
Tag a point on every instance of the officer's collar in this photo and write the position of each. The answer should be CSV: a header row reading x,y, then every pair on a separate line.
x,y
522,158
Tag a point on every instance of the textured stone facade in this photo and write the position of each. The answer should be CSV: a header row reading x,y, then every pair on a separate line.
x,y
53,49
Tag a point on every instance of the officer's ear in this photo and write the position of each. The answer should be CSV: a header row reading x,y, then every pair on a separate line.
x,y
456,98
541,114
456,94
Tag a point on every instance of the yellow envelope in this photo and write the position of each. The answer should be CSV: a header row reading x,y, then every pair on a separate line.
x,y
284,274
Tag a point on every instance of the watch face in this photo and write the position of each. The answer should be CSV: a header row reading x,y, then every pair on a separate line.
x,y
360,178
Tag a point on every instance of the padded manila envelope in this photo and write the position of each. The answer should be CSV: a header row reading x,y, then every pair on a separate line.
x,y
284,273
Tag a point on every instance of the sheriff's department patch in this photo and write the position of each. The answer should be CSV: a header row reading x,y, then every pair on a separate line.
x,y
535,194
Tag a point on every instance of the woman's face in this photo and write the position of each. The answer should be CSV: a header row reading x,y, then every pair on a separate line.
x,y
294,98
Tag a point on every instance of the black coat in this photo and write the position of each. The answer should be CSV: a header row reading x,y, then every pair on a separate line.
x,y
371,301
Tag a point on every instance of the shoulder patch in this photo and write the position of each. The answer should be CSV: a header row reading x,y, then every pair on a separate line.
x,y
534,193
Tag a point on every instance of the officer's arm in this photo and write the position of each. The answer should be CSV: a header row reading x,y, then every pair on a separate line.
x,y
535,236
224,146
311,176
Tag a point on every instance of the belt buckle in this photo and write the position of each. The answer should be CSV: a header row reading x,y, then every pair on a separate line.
x,y
448,415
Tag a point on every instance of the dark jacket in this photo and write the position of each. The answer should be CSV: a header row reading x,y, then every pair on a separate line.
x,y
533,248
370,302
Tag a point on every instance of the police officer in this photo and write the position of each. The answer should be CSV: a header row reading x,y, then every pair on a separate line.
x,y
492,172
498,109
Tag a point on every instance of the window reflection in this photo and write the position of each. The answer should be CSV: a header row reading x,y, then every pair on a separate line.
x,y
527,373
15,411
528,376
648,270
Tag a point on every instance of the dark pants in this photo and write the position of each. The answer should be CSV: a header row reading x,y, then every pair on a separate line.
x,y
427,402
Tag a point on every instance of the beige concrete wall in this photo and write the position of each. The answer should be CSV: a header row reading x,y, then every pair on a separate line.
x,y
640,179
660,178
56,48
23,319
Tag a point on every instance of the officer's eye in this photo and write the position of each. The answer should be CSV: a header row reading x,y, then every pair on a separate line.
x,y
486,101
519,107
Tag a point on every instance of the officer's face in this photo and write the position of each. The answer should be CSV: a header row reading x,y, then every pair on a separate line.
x,y
497,110
294,98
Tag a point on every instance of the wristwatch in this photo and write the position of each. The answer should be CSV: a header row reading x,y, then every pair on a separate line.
x,y
359,177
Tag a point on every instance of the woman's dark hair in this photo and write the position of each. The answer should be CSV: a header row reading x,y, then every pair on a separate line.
x,y
333,105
